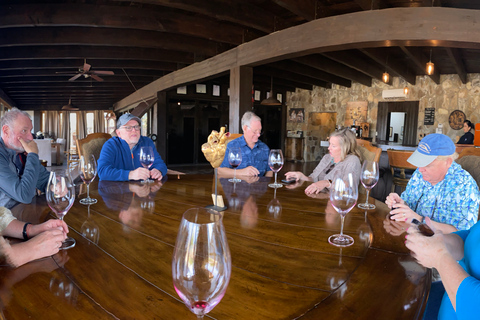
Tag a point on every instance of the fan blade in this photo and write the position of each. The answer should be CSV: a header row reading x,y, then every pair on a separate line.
x,y
96,77
109,73
75,77
86,67
68,107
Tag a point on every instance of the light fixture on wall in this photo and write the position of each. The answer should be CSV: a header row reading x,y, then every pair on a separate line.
x,y
271,100
430,66
386,77
405,90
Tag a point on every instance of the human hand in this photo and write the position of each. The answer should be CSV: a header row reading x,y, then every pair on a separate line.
x,y
395,228
51,224
316,187
142,190
295,175
29,146
248,171
428,251
251,179
401,212
393,198
295,185
155,186
139,174
156,174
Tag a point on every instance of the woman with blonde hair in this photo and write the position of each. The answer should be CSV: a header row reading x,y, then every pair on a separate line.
x,y
343,158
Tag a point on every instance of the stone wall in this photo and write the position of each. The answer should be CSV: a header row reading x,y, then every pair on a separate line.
x,y
451,94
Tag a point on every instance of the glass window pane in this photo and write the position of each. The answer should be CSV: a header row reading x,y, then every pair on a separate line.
x,y
144,124
90,119
73,130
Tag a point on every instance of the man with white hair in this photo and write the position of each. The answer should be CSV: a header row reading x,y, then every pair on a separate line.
x,y
20,170
439,189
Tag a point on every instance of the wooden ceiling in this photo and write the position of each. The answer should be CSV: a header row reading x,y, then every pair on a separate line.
x,y
43,44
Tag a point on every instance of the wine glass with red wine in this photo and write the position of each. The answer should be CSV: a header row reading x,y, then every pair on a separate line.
x,y
275,162
88,172
235,159
146,159
201,265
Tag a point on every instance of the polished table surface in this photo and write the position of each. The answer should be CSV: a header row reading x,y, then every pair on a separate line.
x,y
283,266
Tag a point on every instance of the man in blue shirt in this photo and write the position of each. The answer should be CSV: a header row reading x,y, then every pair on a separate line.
x,y
439,189
254,152
120,156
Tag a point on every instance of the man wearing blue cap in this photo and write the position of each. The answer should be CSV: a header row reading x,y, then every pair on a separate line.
x,y
120,156
439,189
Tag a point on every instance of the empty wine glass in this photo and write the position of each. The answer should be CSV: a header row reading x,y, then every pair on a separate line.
x,y
60,194
235,159
146,159
201,264
88,171
343,197
275,162
369,178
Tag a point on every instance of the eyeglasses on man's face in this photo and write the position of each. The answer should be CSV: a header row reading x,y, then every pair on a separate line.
x,y
257,132
129,128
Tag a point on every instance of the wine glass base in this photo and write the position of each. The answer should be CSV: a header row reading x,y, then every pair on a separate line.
x,y
366,206
234,180
275,185
67,244
340,240
88,201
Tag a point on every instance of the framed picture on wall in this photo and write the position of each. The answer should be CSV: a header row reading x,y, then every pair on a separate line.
x,y
296,115
391,132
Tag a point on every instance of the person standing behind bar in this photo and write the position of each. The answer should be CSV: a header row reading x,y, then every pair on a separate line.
x,y
439,189
467,138
254,152
120,156
20,170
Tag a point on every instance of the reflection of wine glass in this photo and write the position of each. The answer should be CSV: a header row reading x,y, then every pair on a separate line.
x,y
343,196
146,159
60,194
90,229
202,264
235,159
275,162
369,178
274,207
88,171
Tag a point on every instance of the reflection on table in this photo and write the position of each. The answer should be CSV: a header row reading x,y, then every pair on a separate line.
x,y
283,266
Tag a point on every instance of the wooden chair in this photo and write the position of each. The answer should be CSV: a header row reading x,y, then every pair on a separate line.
x,y
469,152
368,151
92,144
459,148
401,169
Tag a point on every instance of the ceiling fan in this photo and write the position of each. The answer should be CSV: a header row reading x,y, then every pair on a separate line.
x,y
70,106
86,72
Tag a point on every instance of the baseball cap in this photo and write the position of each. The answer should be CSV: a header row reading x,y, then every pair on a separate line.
x,y
432,146
127,117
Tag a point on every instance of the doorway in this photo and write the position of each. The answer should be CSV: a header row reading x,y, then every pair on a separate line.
x,y
409,109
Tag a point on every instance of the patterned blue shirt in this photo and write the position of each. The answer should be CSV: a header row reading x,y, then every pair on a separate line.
x,y
454,200
256,157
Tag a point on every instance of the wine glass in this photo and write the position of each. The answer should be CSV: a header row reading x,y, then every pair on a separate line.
x,y
146,159
88,171
90,229
60,194
275,162
369,178
343,196
201,264
274,207
235,159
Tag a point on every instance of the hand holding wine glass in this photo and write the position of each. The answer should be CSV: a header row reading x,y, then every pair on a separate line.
x,y
275,162
60,194
235,159
88,172
146,159
343,197
201,265
369,178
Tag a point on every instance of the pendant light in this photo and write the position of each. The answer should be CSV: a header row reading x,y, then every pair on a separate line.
x,y
405,90
430,65
271,101
386,77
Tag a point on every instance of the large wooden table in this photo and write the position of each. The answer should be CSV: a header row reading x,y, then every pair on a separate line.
x,y
283,266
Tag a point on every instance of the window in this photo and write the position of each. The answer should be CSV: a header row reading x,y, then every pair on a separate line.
x,y
44,122
73,130
90,120
144,124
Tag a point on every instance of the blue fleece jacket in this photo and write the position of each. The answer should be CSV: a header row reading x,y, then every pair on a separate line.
x,y
116,160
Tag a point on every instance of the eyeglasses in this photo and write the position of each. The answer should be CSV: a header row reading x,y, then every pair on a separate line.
x,y
129,128
259,132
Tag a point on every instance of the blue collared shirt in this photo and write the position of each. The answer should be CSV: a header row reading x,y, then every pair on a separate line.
x,y
256,157
454,200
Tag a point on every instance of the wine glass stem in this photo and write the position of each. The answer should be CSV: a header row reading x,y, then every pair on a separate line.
x,y
341,228
88,190
234,179
368,191
275,178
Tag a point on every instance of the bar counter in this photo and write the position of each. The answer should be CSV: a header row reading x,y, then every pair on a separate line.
x,y
283,266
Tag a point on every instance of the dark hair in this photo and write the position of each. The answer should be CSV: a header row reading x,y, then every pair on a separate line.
x,y
469,124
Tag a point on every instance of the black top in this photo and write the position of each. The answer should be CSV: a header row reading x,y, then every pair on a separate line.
x,y
467,138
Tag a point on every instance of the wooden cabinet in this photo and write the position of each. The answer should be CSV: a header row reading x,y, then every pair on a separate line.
x,y
294,149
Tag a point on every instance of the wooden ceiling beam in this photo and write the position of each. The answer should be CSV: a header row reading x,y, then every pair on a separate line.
x,y
416,55
303,8
394,67
357,61
456,57
288,75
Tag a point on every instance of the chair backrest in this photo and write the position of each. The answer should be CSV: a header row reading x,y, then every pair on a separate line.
x,y
472,151
460,147
471,164
368,151
92,144
398,159
234,136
